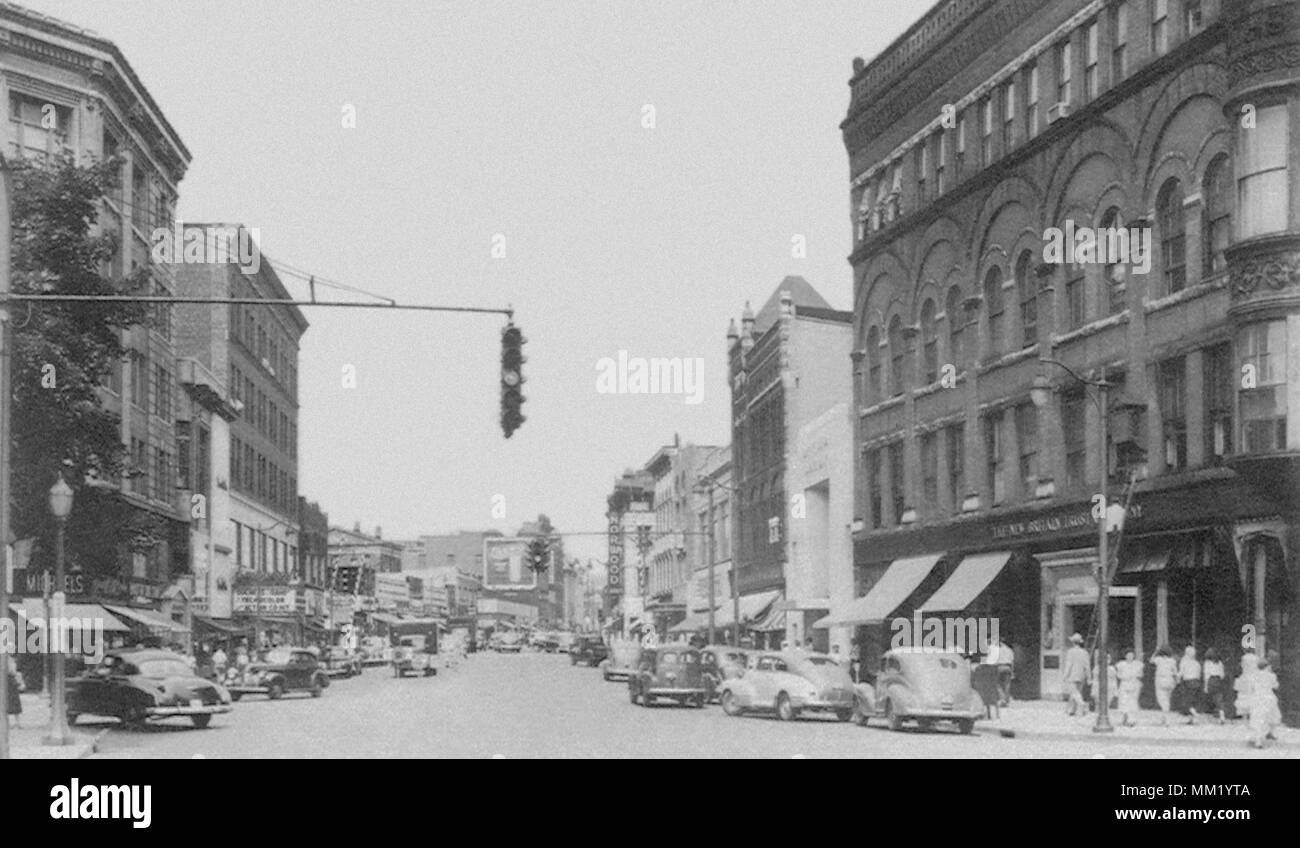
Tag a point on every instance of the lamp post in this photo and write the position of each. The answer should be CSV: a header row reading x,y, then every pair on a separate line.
x,y
60,508
1039,395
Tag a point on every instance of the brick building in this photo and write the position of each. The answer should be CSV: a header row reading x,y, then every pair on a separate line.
x,y
983,125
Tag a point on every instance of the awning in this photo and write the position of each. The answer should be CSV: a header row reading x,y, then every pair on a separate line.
x,y
220,625
773,621
751,607
35,608
149,618
971,577
899,580
1149,559
693,622
278,619
385,618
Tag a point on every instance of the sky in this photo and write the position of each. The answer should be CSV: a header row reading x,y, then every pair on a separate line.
x,y
641,170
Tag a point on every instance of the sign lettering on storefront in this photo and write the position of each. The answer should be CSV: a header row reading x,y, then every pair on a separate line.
x,y
276,599
1055,523
614,576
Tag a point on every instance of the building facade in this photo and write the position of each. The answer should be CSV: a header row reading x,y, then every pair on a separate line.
x,y
452,562
630,518
673,555
975,140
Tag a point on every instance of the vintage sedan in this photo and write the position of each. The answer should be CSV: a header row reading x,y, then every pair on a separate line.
x,y
342,662
915,684
789,684
138,685
671,672
624,657
415,654
283,670
589,650
721,662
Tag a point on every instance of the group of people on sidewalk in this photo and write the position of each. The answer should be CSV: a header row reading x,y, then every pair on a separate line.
x,y
1187,686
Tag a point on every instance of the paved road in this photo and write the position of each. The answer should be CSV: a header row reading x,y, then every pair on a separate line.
x,y
537,705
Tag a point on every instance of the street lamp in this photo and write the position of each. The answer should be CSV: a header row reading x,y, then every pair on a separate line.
x,y
1039,394
60,507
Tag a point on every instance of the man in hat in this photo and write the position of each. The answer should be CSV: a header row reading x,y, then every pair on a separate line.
x,y
1076,673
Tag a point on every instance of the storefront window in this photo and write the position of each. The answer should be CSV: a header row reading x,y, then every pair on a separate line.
x,y
1262,352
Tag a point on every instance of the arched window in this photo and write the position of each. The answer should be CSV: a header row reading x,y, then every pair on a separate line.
x,y
896,355
873,366
993,305
1217,222
956,315
929,343
1173,239
1027,290
1116,271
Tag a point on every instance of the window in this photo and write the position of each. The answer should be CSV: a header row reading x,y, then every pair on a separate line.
x,y
1262,351
1031,97
1091,77
1219,381
239,544
956,437
39,129
1009,115
1073,424
896,487
896,189
1160,27
1193,16
1064,61
1075,296
1119,53
1027,438
1262,189
896,356
139,387
236,383
183,449
986,134
1115,271
961,143
955,311
930,469
236,461
202,463
250,469
929,343
874,488
1171,376
137,478
1026,288
994,439
1217,223
162,392
1173,239
940,162
921,158
993,303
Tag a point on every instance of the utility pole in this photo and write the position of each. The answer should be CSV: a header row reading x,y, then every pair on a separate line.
x,y
712,558
6,398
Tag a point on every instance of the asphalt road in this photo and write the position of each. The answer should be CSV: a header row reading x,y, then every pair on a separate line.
x,y
537,705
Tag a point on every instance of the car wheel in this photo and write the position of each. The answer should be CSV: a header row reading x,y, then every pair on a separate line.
x,y
784,709
274,691
730,705
573,660
631,694
201,721
235,696
605,674
698,702
72,717
966,726
844,715
316,689
133,717
895,721
859,714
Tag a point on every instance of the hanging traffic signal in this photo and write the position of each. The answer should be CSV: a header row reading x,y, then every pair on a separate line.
x,y
539,554
512,379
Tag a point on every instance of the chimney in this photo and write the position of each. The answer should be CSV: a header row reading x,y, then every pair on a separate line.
x,y
747,321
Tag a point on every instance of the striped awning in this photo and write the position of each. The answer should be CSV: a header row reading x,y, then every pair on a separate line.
x,y
151,619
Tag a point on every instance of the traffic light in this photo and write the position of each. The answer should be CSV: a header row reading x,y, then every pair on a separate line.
x,y
512,379
539,554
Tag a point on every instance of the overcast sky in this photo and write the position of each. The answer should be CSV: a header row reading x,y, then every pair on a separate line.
x,y
523,119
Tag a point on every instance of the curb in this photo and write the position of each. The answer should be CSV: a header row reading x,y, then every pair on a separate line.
x,y
1048,735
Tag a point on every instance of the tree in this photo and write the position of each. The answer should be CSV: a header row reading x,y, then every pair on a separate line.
x,y
61,353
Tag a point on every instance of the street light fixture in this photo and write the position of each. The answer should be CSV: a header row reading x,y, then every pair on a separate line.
x,y
60,500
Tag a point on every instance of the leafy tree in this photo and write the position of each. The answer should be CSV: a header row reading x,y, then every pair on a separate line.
x,y
61,352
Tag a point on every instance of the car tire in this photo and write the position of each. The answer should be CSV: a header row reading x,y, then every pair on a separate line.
x,y
698,702
730,705
784,709
201,721
133,717
72,717
316,689
275,690
966,726
859,714
235,696
844,715
895,721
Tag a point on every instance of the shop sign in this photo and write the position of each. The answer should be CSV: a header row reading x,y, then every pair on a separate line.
x,y
1061,521
614,573
271,599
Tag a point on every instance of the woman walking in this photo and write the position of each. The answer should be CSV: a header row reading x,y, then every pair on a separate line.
x,y
14,707
1166,680
1129,671
1264,713
1243,685
1216,688
1189,684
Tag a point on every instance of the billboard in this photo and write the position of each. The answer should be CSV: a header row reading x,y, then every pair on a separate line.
x,y
505,564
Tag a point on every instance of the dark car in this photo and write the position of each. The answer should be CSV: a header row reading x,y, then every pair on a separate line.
x,y
670,671
138,685
590,650
283,670
721,662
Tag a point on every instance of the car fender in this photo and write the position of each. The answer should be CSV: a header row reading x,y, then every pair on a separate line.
x,y
741,689
866,697
901,697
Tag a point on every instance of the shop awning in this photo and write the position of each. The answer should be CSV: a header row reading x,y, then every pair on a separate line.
x,y
751,607
31,608
970,578
220,625
149,618
693,622
773,621
1150,559
385,618
278,619
899,580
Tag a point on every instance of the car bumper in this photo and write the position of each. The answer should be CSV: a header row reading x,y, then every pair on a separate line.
x,y
940,715
820,703
660,692
618,675
206,709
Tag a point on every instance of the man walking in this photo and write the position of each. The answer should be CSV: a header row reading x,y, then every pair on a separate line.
x,y
1076,674
1006,659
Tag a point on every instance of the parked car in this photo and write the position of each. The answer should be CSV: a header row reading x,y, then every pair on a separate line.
x,y
283,670
789,684
564,641
624,656
589,649
342,662
922,686
719,663
507,642
668,671
138,685
413,655
544,640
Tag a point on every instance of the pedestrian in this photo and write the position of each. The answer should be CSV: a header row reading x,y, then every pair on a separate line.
x,y
1264,713
1190,685
1129,672
219,660
1112,683
1216,690
1243,686
855,662
808,645
14,705
1166,680
1006,659
1076,674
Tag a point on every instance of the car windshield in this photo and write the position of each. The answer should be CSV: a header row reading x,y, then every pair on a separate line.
x,y
165,668
821,661
278,656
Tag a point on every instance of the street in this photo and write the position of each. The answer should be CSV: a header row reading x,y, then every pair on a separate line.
x,y
538,705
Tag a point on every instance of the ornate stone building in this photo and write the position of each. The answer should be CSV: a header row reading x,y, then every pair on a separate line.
x,y
987,124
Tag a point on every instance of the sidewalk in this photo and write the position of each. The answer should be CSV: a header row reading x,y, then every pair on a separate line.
x,y
25,741
1048,720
